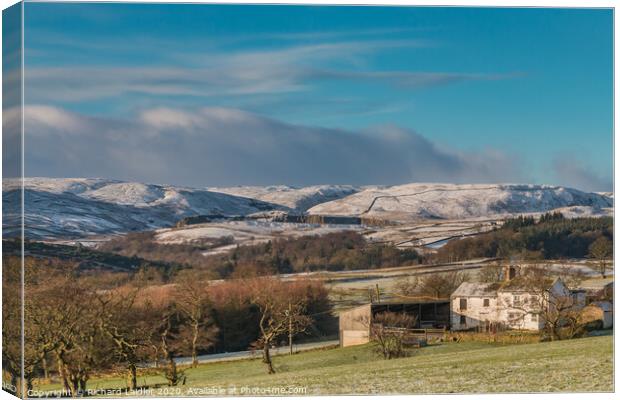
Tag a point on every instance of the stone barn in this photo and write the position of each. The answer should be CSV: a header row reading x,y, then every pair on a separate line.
x,y
354,324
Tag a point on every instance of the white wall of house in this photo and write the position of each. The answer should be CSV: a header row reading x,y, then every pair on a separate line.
x,y
520,310
516,309
477,311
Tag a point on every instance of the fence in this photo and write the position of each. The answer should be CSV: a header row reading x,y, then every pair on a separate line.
x,y
500,337
417,335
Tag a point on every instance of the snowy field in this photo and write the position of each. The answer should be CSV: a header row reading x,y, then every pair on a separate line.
x,y
245,232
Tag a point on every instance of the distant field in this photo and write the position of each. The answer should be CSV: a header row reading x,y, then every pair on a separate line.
x,y
583,365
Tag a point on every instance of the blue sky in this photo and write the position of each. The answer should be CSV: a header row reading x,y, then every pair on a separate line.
x,y
397,94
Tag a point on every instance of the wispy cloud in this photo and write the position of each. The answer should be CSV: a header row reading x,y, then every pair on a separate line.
x,y
330,35
409,79
256,71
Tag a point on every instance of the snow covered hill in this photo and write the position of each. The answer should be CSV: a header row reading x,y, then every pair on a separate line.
x,y
79,208
448,201
297,199
72,208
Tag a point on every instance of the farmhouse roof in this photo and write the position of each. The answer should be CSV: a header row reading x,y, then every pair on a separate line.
x,y
522,284
470,289
518,284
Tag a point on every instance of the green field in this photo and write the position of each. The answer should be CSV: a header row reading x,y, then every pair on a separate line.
x,y
471,367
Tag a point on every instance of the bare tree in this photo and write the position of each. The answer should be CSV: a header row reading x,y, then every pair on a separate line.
x,y
601,250
408,286
168,328
91,352
279,313
11,322
435,285
192,300
121,321
491,273
571,277
59,315
389,330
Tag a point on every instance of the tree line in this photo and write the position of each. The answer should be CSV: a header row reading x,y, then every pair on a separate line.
x,y
75,327
333,251
551,237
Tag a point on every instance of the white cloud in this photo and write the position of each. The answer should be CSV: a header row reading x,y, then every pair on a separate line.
x,y
41,118
220,146
166,118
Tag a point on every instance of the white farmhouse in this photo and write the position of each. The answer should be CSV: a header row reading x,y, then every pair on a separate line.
x,y
512,304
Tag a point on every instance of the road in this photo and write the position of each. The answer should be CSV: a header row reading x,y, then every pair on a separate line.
x,y
242,355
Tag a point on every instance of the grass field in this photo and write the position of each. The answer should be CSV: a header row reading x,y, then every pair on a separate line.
x,y
573,365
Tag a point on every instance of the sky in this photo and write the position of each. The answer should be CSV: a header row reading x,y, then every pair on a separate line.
x,y
222,95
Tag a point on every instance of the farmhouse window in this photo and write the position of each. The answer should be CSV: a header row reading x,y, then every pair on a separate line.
x,y
485,302
516,300
534,317
463,320
463,304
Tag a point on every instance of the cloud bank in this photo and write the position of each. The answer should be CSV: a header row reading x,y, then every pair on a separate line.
x,y
571,171
223,146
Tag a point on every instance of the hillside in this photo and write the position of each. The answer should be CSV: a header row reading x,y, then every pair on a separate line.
x,y
74,208
85,258
296,199
447,201
82,208
579,365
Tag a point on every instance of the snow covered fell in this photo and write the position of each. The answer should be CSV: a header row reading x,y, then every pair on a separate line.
x,y
71,208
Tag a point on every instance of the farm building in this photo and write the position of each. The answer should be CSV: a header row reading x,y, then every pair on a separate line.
x,y
600,311
512,304
354,326
599,289
608,291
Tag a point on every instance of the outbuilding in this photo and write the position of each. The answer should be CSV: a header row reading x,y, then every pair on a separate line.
x,y
600,311
354,324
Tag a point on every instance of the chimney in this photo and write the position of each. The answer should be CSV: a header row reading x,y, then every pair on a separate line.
x,y
510,271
